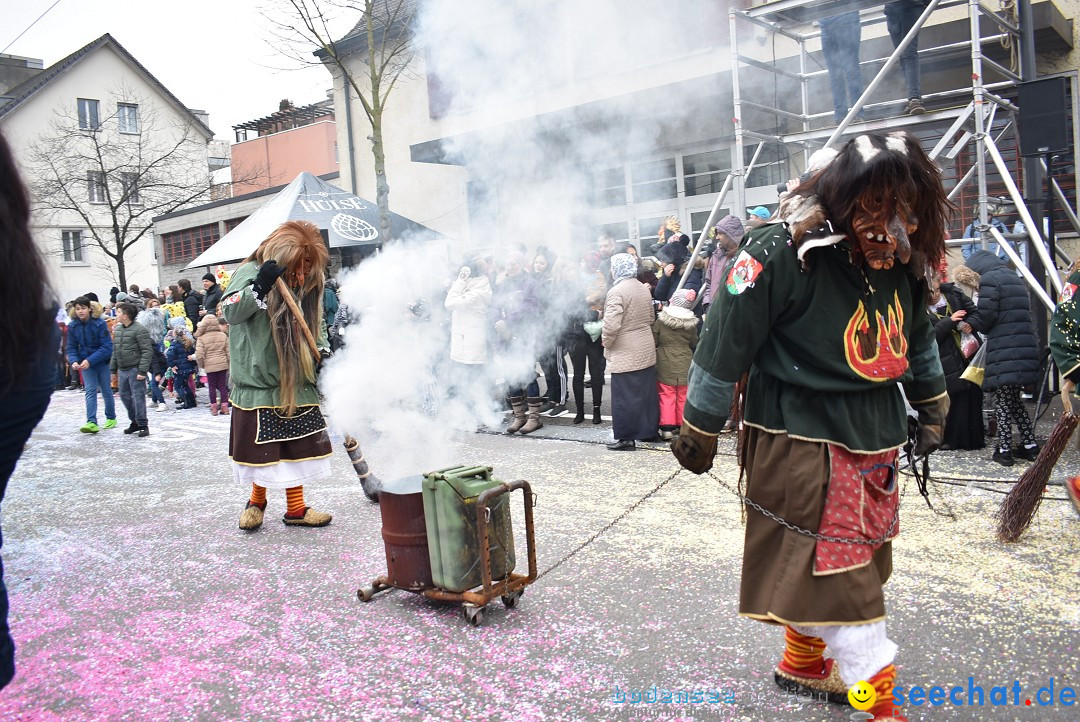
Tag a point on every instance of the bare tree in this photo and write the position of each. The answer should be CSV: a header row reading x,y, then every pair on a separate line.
x,y
370,59
116,173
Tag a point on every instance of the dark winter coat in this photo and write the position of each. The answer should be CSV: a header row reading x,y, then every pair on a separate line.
x,y
192,301
953,362
89,340
213,298
1012,354
158,364
667,284
177,355
132,348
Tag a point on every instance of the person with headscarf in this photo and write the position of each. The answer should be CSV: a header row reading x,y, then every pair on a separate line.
x,y
825,315
631,356
278,437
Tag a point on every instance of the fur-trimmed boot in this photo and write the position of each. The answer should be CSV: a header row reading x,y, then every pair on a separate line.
x,y
517,403
536,405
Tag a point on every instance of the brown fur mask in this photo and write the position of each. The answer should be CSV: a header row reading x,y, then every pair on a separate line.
x,y
298,247
885,195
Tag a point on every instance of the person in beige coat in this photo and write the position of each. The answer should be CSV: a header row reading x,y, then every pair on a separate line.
x,y
631,355
212,355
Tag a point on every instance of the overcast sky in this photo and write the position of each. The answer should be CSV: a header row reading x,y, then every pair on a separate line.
x,y
212,54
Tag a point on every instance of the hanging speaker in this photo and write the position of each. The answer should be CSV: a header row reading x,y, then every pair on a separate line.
x,y
1043,121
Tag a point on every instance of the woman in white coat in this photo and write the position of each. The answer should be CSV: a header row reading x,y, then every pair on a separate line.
x,y
468,300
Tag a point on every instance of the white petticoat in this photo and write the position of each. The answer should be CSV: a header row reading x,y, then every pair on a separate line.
x,y
282,475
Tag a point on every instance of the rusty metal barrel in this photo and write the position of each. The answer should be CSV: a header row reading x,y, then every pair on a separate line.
x,y
404,533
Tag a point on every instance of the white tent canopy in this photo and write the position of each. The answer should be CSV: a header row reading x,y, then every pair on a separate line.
x,y
348,219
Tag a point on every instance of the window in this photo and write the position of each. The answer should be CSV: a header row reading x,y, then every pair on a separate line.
x,y
233,223
618,231
653,180
130,183
88,114
95,186
127,117
609,188
705,172
771,167
649,232
73,246
186,244
697,221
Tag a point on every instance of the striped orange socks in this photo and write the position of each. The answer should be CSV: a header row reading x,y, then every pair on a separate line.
x,y
258,496
803,653
294,500
883,683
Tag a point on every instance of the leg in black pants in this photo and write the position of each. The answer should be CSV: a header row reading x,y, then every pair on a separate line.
x,y
24,405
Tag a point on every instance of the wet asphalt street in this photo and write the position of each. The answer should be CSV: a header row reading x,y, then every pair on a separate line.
x,y
135,596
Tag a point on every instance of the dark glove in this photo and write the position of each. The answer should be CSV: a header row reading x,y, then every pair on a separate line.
x,y
694,449
269,272
931,433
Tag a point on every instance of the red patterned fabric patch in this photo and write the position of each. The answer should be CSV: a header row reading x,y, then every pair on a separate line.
x,y
744,271
1067,292
861,503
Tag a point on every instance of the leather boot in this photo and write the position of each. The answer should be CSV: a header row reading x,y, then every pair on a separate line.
x,y
214,409
517,403
597,399
536,405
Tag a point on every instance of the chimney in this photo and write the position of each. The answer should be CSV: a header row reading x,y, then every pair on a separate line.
x,y
15,70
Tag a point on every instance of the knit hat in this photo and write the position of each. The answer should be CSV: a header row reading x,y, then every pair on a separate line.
x,y
178,323
761,212
121,297
731,227
684,298
209,277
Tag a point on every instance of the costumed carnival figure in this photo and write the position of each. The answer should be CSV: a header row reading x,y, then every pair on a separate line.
x,y
1065,348
278,437
824,309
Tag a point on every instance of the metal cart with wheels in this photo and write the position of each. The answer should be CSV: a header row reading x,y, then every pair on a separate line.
x,y
476,599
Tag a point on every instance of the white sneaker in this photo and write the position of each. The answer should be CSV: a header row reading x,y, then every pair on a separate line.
x,y
161,406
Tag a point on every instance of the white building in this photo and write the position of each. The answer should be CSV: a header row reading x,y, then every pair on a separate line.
x,y
107,99
647,85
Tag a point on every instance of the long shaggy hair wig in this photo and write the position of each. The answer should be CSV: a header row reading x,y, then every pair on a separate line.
x,y
885,176
299,249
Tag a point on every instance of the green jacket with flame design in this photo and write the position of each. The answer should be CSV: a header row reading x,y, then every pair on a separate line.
x,y
826,346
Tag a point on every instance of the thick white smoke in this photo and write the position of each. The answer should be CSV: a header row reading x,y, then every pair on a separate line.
x,y
393,386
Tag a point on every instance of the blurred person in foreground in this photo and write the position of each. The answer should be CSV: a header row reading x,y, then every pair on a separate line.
x,y
28,341
825,312
1065,348
278,438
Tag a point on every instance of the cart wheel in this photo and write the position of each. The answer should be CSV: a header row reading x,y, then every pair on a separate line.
x,y
511,600
473,615
364,594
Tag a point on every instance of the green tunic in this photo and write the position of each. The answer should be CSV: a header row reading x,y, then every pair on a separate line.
x,y
1065,330
254,375
826,347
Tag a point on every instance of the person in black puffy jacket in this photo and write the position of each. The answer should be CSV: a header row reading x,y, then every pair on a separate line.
x,y
1012,353
952,314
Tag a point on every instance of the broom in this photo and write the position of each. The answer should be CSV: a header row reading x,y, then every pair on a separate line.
x,y
1019,507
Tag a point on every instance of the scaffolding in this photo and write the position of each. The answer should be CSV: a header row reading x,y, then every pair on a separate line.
x,y
979,112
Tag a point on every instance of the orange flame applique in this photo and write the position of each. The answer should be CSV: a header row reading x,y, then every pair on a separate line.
x,y
881,356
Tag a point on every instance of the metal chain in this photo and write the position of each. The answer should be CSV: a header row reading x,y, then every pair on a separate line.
x,y
806,532
610,524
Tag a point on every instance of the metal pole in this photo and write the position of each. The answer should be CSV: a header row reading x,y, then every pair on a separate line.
x,y
1015,258
736,102
880,77
971,171
1033,170
1025,216
713,219
980,118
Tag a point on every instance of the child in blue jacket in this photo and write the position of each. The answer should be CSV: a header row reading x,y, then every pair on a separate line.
x,y
89,349
180,358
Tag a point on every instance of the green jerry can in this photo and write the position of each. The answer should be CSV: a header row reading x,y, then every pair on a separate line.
x,y
450,497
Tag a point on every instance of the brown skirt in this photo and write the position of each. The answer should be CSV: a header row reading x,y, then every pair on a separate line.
x,y
789,478
243,449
